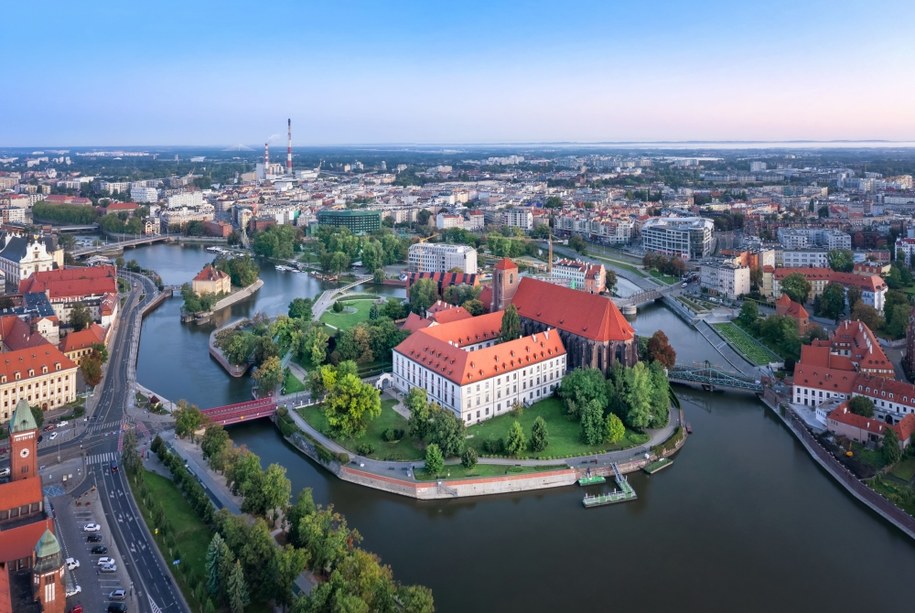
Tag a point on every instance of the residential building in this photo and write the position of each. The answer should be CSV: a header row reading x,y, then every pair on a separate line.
x,y
725,278
443,280
42,375
358,221
518,217
873,288
185,199
446,221
905,247
586,276
146,195
786,307
803,258
95,287
682,237
211,281
442,257
867,430
465,368
475,220
78,345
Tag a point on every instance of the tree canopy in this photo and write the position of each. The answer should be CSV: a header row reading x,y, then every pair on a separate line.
x,y
797,287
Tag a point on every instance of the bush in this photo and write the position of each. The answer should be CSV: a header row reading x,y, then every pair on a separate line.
x,y
338,307
494,446
365,449
469,458
392,434
343,458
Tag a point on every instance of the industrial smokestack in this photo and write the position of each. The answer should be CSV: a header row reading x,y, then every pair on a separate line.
x,y
266,159
289,148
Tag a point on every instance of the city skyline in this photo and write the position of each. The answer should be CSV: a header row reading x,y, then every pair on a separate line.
x,y
209,74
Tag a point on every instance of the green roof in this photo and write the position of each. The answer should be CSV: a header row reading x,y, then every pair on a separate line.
x,y
47,545
22,419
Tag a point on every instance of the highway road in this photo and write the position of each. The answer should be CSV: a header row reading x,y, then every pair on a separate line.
x,y
155,589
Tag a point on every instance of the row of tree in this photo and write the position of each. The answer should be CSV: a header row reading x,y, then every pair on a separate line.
x,y
242,270
669,265
279,241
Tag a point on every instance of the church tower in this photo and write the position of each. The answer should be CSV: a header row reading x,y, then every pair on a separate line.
x,y
48,575
23,443
505,280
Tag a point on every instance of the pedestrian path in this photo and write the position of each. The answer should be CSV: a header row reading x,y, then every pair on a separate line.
x,y
103,458
107,426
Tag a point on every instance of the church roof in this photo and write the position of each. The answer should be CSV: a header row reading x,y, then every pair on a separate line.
x,y
47,545
505,264
22,419
579,313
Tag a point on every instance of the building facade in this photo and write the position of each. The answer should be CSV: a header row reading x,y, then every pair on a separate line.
x,y
725,278
441,257
211,281
591,278
683,237
358,221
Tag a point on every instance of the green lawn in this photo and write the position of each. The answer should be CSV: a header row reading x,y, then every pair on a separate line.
x,y
872,457
191,535
748,346
565,433
349,297
621,265
456,471
900,495
354,312
291,384
663,277
404,449
905,469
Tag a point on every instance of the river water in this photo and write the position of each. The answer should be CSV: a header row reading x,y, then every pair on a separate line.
x,y
745,521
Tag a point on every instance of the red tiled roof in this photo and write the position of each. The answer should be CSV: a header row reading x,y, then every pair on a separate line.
x,y
34,358
414,322
21,492
210,274
587,315
83,339
17,334
505,264
787,306
870,283
122,206
72,282
824,378
842,415
449,315
439,348
18,543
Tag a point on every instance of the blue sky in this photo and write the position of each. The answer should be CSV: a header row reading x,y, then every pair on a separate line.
x,y
212,73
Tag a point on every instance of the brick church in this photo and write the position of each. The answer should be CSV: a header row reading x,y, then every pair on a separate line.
x,y
31,561
594,331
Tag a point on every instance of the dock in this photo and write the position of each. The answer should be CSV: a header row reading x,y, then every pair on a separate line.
x,y
657,465
592,480
624,494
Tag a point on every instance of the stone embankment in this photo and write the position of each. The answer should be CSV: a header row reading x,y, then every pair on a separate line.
x,y
216,353
236,296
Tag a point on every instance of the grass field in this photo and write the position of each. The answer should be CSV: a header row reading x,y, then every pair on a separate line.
x,y
904,470
404,449
291,384
191,535
662,277
565,433
621,265
456,471
748,346
355,312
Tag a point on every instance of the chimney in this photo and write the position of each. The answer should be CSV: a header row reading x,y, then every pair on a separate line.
x,y
289,147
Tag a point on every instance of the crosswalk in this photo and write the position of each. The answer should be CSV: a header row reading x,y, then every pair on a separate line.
x,y
107,426
103,458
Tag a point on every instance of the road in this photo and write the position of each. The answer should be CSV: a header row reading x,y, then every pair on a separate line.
x,y
100,441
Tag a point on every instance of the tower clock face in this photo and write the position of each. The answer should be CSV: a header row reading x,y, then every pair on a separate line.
x,y
24,453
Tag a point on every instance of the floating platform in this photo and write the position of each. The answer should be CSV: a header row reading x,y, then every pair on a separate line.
x,y
657,466
591,480
600,500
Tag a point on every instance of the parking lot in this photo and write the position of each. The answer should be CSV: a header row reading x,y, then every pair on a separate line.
x,y
72,515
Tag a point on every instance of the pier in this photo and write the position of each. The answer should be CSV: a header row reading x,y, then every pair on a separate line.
x,y
624,494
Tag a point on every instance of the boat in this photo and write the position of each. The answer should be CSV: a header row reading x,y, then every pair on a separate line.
x,y
591,480
214,249
283,268
689,428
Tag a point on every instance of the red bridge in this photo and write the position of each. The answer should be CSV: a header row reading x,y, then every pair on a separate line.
x,y
241,411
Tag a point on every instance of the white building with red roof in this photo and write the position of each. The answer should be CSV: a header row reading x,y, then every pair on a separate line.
x,y
465,368
94,286
873,288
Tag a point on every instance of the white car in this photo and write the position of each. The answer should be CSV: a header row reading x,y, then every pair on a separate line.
x,y
91,528
73,591
105,561
61,424
52,436
71,563
110,568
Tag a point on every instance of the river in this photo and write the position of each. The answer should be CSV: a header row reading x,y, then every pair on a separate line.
x,y
744,520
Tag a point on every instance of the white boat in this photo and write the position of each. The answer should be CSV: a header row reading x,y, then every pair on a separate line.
x,y
283,268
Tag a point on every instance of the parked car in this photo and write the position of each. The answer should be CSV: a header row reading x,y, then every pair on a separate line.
x,y
104,561
99,550
52,436
73,591
118,594
91,528
61,424
117,607
94,538
5,471
109,568
49,427
71,563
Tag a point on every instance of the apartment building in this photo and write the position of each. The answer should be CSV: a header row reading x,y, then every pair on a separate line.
x,y
441,257
684,237
725,278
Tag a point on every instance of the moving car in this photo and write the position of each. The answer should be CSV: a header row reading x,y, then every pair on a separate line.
x,y
73,591
114,467
71,563
91,528
104,561
99,550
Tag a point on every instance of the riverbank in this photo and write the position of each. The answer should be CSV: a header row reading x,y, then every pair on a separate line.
x,y
233,298
216,353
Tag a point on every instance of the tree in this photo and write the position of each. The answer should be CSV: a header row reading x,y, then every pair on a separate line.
x,y
553,202
511,324
868,315
841,260
515,443
581,386
660,395
351,405
219,564
592,423
749,314
314,345
435,461
540,435
304,505
659,349
417,402
614,429
422,295
80,316
268,375
469,458
288,564
37,415
188,419
638,397
861,405
215,440
831,303
237,589
300,308
446,431
892,452
416,599
275,490
796,286
852,295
